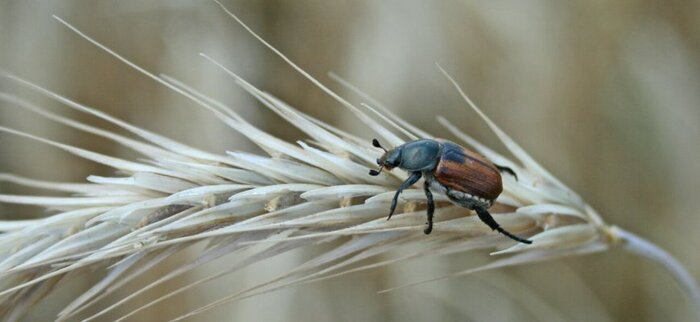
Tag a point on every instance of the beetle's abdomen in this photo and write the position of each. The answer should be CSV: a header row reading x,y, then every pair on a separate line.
x,y
463,170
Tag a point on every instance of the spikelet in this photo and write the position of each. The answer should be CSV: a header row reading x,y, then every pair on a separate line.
x,y
259,206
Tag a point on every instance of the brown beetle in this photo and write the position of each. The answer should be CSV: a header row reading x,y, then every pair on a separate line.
x,y
466,178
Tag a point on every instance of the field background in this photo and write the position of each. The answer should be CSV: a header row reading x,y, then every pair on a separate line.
x,y
606,94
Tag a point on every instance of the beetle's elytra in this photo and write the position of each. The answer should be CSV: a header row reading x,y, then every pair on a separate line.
x,y
465,177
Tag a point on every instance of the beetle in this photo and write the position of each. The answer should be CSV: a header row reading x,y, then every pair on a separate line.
x,y
465,177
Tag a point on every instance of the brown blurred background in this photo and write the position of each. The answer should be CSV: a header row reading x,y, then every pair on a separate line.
x,y
606,94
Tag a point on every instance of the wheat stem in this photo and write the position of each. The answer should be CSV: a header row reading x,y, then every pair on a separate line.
x,y
637,245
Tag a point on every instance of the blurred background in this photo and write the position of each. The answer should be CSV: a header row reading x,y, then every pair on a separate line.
x,y
605,94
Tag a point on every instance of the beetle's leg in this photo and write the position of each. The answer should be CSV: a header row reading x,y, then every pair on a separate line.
x,y
412,179
431,207
507,169
486,217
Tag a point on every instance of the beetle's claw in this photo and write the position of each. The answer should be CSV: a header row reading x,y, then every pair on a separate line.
x,y
508,170
427,230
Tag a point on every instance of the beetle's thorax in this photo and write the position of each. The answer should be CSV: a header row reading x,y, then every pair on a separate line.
x,y
419,155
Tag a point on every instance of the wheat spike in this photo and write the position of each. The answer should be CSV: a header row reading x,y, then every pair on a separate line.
x,y
259,206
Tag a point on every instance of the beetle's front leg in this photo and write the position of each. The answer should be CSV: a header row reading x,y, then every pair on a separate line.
x,y
412,179
431,207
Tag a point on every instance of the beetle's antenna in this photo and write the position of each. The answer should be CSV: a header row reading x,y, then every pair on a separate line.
x,y
376,144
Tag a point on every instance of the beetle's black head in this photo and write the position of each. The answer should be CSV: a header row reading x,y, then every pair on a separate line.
x,y
389,160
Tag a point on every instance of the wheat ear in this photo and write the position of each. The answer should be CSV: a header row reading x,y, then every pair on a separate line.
x,y
258,206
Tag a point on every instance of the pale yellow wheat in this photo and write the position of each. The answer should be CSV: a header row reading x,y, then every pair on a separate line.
x,y
300,193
